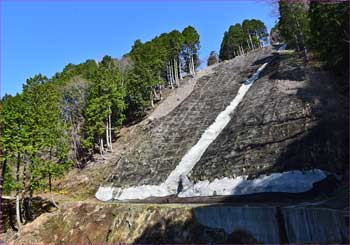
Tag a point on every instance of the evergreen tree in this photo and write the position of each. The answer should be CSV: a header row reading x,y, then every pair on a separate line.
x,y
13,140
233,43
322,27
212,59
46,149
105,106
275,35
294,24
190,50
176,42
329,34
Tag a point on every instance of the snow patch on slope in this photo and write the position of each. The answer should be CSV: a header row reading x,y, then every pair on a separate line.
x,y
291,181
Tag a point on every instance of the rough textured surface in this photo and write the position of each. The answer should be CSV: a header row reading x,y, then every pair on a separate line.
x,y
166,140
287,121
92,223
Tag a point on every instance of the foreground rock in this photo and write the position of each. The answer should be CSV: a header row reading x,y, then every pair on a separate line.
x,y
84,223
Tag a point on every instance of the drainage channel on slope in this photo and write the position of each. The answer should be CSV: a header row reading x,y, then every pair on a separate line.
x,y
224,186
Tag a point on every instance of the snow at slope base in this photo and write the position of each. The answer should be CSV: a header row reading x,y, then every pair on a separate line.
x,y
291,181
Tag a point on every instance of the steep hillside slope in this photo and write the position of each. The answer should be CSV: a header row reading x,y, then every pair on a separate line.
x,y
169,138
292,118
285,122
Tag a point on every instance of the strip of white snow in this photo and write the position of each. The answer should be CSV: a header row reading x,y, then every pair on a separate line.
x,y
291,181
282,48
210,134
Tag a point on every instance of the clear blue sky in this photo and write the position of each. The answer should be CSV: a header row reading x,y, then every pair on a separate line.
x,y
44,36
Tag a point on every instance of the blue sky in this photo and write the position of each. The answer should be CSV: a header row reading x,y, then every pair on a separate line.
x,y
44,36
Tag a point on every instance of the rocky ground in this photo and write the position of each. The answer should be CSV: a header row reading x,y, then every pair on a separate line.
x,y
99,223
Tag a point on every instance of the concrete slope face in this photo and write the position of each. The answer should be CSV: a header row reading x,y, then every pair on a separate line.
x,y
169,138
255,124
289,120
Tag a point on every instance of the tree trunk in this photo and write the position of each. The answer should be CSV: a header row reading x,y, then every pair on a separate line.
x,y
29,204
249,45
251,41
3,166
297,42
168,73
302,40
25,176
18,210
107,135
51,194
171,76
160,92
110,130
28,201
192,66
50,183
152,98
176,71
259,44
101,146
180,75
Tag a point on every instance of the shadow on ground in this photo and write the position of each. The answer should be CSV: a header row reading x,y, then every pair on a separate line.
x,y
8,206
169,231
